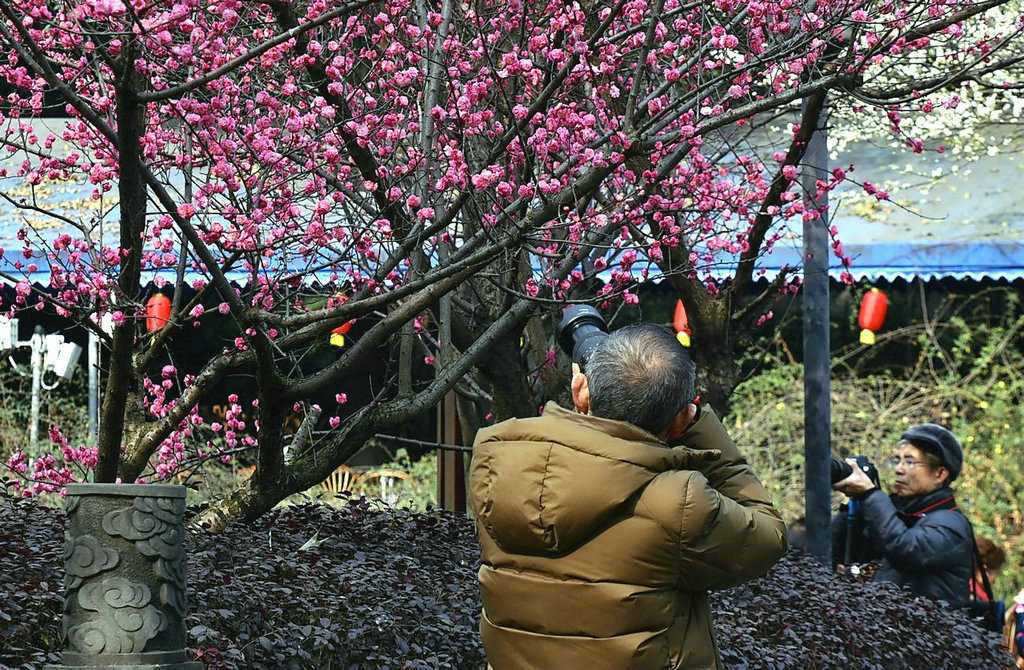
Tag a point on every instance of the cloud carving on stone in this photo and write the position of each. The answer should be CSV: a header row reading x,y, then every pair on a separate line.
x,y
127,619
85,557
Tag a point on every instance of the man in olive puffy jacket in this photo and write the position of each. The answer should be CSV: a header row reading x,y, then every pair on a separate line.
x,y
601,530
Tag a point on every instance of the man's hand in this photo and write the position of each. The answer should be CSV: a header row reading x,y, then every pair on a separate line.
x,y
856,484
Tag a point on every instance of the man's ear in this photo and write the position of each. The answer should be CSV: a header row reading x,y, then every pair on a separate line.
x,y
681,423
580,390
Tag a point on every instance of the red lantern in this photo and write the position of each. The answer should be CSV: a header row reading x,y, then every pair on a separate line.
x,y
681,324
158,312
338,334
873,306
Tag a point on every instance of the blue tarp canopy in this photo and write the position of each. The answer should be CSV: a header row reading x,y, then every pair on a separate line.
x,y
945,217
907,260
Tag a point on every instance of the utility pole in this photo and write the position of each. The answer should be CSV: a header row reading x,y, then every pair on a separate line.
x,y
817,363
451,474
94,387
451,479
37,342
49,353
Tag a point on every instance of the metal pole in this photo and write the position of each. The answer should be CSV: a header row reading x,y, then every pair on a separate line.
x,y
451,479
451,493
817,368
94,386
37,383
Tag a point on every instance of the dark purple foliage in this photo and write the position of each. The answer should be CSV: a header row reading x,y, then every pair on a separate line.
x,y
802,616
395,589
382,589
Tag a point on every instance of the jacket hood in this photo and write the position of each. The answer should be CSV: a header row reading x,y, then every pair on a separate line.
x,y
545,485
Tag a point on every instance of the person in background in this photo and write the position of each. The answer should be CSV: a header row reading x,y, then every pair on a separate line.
x,y
1013,635
992,558
916,529
797,531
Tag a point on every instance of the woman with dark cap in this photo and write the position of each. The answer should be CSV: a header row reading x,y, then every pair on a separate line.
x,y
923,539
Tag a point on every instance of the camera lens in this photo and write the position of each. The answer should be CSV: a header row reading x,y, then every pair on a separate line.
x,y
840,470
580,331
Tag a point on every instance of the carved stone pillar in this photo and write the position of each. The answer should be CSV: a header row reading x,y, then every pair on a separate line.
x,y
124,588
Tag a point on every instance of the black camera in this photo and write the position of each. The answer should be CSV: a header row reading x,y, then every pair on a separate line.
x,y
580,331
841,469
857,547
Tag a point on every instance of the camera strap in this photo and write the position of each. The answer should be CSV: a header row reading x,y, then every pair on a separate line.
x,y
990,613
980,567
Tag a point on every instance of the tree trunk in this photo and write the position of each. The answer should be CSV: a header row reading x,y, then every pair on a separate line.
x,y
503,368
469,419
244,503
714,352
133,461
270,448
132,193
717,376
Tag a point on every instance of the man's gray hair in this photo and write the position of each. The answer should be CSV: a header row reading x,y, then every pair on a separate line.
x,y
640,374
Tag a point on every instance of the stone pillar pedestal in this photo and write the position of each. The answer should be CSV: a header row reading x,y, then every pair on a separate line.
x,y
124,588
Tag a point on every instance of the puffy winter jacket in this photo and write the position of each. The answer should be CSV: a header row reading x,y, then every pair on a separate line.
x,y
932,555
599,542
925,546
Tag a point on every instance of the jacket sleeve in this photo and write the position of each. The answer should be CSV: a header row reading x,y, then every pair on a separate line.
x,y
722,542
927,545
745,534
730,475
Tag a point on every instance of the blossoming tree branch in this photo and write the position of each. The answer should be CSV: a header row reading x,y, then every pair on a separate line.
x,y
497,155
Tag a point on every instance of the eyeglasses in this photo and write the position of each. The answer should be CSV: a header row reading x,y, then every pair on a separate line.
x,y
908,463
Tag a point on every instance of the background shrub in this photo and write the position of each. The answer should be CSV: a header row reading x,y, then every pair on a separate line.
x,y
363,587
306,586
31,578
65,406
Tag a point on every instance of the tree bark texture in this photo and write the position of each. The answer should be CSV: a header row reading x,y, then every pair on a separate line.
x,y
132,193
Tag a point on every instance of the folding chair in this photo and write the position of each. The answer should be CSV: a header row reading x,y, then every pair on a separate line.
x,y
388,481
341,480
